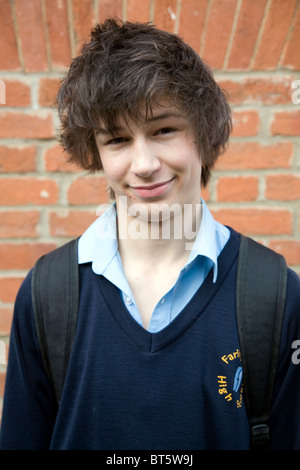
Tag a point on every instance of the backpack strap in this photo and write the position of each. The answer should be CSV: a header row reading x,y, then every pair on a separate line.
x,y
55,296
260,303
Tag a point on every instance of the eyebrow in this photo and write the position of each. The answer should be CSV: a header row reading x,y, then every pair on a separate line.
x,y
163,116
158,117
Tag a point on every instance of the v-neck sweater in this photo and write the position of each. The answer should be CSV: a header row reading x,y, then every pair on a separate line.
x,y
129,389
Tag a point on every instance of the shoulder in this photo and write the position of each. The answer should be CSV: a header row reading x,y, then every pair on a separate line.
x,y
294,280
293,292
23,324
23,298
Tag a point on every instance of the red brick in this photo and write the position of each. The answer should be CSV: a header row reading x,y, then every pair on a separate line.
x,y
88,190
270,47
283,187
57,160
216,38
258,90
17,93
9,57
192,19
245,36
70,223
19,224
6,314
245,123
290,249
48,89
26,126
291,56
23,191
138,11
256,221
32,35
255,156
165,13
23,255
237,189
9,287
109,9
286,123
58,33
17,159
83,20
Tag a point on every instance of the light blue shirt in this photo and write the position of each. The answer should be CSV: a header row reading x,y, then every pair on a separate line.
x,y
99,246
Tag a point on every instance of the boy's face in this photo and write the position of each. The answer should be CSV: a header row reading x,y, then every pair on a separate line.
x,y
153,162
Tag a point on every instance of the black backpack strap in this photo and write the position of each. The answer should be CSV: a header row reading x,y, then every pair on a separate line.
x,y
55,296
261,290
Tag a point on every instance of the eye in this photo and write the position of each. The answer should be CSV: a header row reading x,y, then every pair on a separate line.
x,y
165,130
116,141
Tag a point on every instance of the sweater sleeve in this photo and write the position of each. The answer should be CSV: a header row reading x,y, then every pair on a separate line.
x,y
29,407
285,415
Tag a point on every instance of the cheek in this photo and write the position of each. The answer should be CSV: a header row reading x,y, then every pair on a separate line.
x,y
113,169
188,160
184,153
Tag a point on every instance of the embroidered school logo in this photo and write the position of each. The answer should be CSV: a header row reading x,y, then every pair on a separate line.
x,y
230,386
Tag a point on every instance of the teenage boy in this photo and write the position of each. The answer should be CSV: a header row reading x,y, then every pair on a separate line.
x,y
156,360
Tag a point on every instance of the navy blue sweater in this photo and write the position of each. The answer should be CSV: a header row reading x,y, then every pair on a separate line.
x,y
127,388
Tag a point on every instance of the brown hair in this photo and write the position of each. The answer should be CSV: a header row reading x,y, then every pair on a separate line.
x,y
126,67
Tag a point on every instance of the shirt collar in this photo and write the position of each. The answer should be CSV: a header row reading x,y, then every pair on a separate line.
x,y
209,241
99,244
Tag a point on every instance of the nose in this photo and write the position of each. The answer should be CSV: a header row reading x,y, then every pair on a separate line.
x,y
144,158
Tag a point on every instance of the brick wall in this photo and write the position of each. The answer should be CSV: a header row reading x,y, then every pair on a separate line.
x,y
253,47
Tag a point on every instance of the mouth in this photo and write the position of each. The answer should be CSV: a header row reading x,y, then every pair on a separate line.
x,y
152,190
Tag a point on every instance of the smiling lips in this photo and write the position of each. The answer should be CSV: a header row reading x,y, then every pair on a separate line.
x,y
152,190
